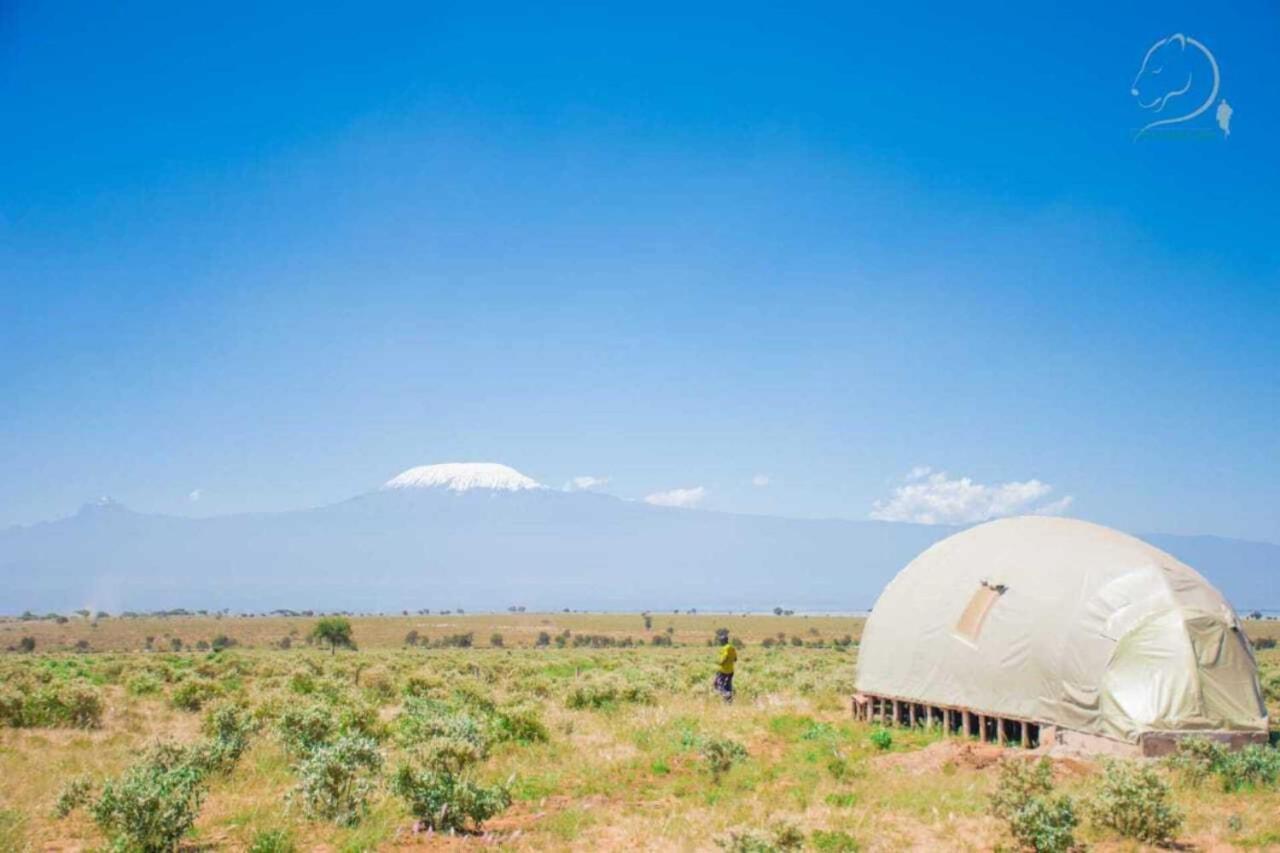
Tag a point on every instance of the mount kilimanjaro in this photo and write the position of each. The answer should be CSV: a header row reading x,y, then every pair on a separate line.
x,y
484,536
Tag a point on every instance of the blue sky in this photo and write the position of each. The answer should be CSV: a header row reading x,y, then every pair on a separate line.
x,y
278,256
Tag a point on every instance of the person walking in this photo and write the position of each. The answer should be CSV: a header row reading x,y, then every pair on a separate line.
x,y
728,657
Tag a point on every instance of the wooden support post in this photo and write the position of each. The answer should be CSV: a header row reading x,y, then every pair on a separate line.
x,y
911,714
1000,734
966,721
982,727
893,712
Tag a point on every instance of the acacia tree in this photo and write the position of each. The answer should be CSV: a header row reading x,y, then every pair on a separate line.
x,y
334,630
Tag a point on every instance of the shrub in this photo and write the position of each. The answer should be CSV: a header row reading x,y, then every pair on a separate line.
x,y
306,729
544,639
411,638
457,641
720,754
228,727
1020,781
1023,799
27,644
1196,759
73,795
334,780
783,837
144,684
1255,766
193,694
1045,824
835,841
222,641
882,739
154,803
597,693
422,720
1135,802
496,640
445,800
521,723
68,706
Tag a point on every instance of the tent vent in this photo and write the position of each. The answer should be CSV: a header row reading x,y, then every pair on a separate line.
x,y
975,613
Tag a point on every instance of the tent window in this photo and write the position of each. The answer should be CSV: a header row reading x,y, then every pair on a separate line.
x,y
975,613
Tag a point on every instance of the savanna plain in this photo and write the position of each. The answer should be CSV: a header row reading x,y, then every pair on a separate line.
x,y
543,731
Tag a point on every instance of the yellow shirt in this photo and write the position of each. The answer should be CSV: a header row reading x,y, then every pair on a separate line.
x,y
727,657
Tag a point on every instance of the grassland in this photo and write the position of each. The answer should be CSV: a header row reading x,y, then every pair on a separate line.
x,y
626,767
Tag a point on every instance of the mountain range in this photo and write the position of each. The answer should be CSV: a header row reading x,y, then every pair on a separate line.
x,y
484,536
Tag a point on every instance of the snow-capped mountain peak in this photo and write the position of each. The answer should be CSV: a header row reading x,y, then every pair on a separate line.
x,y
462,477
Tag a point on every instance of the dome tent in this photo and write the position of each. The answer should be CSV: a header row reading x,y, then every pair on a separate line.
x,y
1063,623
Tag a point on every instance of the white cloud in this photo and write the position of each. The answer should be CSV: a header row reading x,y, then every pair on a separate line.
x,y
760,480
931,497
919,472
195,494
678,497
585,483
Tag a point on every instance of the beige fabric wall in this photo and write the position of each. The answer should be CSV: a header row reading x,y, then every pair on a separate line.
x,y
1095,630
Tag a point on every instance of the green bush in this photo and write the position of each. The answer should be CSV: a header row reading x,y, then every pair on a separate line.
x,y
228,728
882,739
1255,766
720,754
1019,781
443,798
154,803
334,780
144,684
304,730
1045,824
1135,802
1024,799
598,693
783,837
194,693
521,723
422,720
73,705
834,841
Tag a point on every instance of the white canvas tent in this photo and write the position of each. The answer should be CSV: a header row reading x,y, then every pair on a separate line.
x,y
1063,623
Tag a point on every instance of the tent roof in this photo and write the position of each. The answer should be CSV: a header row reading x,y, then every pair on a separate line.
x,y
1064,622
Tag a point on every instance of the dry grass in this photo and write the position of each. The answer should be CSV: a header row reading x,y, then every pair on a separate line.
x,y
622,777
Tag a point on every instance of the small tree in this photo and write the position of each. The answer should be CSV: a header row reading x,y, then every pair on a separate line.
x,y
27,644
496,641
334,630
334,781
